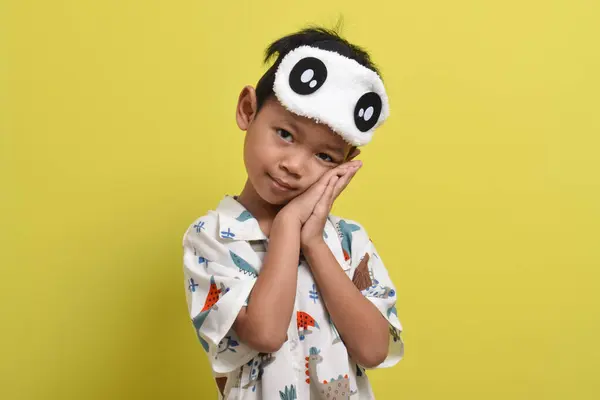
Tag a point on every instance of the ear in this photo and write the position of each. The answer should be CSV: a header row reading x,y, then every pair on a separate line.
x,y
245,111
354,152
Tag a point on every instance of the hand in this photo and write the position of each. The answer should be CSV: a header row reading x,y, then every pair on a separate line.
x,y
301,207
312,230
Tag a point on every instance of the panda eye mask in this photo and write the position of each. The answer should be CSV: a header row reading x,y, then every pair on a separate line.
x,y
332,89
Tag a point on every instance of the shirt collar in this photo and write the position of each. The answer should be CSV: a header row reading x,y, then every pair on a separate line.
x,y
236,223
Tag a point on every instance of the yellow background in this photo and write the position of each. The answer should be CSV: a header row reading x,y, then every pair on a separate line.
x,y
482,191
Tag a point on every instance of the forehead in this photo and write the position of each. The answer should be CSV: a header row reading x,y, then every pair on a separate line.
x,y
310,130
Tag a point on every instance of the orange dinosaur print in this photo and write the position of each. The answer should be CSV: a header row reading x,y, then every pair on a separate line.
x,y
213,295
304,320
346,255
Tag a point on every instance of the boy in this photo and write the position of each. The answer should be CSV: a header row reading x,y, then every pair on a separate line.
x,y
289,301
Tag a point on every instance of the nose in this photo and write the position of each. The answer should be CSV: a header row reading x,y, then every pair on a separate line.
x,y
294,163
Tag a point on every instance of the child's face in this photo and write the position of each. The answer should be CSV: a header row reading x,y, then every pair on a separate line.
x,y
282,146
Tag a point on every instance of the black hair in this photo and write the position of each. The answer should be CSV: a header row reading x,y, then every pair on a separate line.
x,y
323,38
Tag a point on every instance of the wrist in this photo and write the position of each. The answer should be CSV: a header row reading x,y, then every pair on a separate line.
x,y
313,245
287,219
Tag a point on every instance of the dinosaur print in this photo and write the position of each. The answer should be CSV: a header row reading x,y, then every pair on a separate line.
x,y
304,320
198,320
223,255
213,295
345,231
244,216
243,265
362,278
227,343
377,290
392,310
336,389
209,304
257,369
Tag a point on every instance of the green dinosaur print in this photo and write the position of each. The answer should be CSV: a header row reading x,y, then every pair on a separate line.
x,y
346,230
392,310
243,265
244,216
198,320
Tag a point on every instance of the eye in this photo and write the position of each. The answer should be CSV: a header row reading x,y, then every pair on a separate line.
x,y
326,157
285,135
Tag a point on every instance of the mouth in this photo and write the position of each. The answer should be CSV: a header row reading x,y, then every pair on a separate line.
x,y
279,184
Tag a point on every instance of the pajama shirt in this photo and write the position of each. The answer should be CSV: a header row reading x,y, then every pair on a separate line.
x,y
223,253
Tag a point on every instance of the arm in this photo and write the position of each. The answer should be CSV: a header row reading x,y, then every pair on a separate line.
x,y
263,324
360,324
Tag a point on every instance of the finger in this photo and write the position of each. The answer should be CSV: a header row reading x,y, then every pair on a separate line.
x,y
312,199
324,205
332,194
316,190
354,163
314,194
348,176
344,182
339,171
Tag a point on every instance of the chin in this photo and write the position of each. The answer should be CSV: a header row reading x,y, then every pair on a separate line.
x,y
269,198
266,193
273,199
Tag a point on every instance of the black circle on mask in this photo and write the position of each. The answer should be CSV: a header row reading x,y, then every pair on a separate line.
x,y
308,75
367,111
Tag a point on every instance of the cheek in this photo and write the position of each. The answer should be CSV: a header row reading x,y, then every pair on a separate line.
x,y
259,162
248,156
254,154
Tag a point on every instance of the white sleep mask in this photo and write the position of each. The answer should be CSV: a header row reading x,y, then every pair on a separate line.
x,y
332,89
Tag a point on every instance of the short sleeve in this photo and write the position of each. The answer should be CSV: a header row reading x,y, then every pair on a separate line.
x,y
216,290
372,279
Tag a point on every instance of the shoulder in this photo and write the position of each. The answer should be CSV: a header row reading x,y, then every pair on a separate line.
x,y
201,238
342,221
205,226
350,228
354,239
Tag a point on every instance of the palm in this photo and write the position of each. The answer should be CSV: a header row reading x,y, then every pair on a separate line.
x,y
312,207
312,230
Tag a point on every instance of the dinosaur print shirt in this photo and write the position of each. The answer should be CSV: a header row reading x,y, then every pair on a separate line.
x,y
223,254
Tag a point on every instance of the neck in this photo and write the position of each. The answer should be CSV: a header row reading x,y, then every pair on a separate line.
x,y
261,210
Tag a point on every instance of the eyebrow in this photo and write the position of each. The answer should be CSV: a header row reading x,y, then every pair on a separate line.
x,y
334,149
